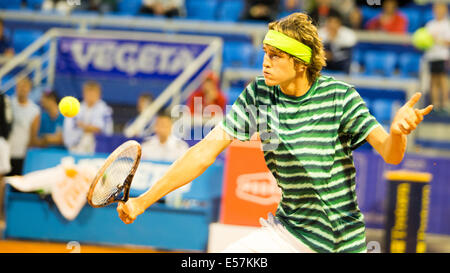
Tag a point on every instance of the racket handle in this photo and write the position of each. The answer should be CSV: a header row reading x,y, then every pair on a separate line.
x,y
126,193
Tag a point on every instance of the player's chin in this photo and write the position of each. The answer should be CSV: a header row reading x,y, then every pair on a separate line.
x,y
270,82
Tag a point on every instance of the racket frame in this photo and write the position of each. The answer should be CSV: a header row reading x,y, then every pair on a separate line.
x,y
127,184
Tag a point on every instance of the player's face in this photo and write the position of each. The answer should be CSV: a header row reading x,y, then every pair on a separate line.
x,y
440,10
333,25
45,103
23,88
278,67
91,95
163,127
209,89
142,104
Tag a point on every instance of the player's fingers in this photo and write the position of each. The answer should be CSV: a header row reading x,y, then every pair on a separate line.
x,y
123,215
404,128
127,220
405,124
414,99
411,123
120,208
419,116
426,110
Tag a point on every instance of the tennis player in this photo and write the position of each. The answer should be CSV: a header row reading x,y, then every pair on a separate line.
x,y
314,123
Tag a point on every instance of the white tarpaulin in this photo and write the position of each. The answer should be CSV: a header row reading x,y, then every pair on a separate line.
x,y
67,183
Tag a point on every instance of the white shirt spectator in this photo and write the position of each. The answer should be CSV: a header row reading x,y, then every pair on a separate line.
x,y
345,38
5,165
441,29
171,150
165,3
6,119
23,114
99,115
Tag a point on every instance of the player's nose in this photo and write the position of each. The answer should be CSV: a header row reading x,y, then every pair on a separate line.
x,y
266,62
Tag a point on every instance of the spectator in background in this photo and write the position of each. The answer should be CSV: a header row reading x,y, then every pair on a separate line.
x,y
438,56
6,119
355,19
46,129
320,12
60,6
338,41
167,8
143,101
5,164
292,6
163,146
261,10
208,94
24,112
95,117
6,48
102,6
390,19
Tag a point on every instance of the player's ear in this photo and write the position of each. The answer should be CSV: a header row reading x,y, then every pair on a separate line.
x,y
299,67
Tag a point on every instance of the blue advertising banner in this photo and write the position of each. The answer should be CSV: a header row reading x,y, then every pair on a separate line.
x,y
124,58
124,68
372,188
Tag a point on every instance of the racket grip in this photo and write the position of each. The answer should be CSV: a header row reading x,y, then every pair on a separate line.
x,y
126,193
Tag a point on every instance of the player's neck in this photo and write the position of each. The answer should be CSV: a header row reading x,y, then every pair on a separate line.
x,y
296,87
53,112
22,100
163,139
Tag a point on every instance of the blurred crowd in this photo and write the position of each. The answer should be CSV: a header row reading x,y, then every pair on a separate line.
x,y
25,124
391,19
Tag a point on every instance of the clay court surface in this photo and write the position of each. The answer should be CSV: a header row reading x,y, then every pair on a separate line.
x,y
22,246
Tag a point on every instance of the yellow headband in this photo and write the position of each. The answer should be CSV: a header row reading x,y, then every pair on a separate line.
x,y
288,45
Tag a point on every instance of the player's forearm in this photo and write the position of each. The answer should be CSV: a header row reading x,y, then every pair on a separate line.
x,y
91,129
54,139
394,148
191,165
390,146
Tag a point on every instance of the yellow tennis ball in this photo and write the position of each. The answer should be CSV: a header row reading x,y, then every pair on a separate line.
x,y
69,106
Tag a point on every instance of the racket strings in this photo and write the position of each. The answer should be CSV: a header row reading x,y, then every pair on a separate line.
x,y
114,177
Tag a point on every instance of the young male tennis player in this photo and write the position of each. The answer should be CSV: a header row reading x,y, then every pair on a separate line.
x,y
318,121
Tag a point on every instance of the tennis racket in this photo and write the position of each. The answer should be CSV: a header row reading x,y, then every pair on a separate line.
x,y
113,180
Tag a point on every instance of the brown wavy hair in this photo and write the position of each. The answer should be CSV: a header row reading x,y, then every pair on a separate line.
x,y
299,26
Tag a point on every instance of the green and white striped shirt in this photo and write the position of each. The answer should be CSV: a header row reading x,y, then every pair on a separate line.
x,y
308,143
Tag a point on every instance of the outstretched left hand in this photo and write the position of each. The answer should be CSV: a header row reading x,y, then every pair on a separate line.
x,y
407,118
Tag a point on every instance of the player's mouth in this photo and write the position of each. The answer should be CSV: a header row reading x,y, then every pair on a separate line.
x,y
266,74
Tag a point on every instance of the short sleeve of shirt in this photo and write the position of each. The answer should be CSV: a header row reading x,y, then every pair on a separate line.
x,y
356,121
240,121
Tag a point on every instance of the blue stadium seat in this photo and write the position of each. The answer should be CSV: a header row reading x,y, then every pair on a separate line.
x,y
233,93
381,63
427,16
237,54
201,9
409,64
414,18
129,7
22,38
369,13
357,61
258,58
369,103
35,4
230,10
382,110
10,4
284,14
